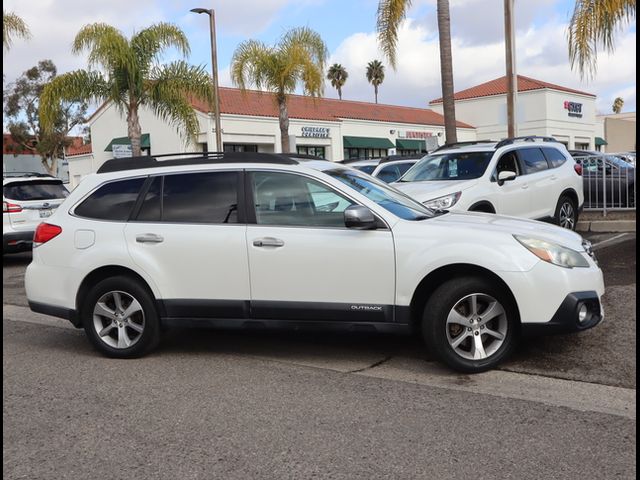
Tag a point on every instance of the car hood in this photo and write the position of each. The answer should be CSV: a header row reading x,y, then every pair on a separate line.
x,y
513,226
430,189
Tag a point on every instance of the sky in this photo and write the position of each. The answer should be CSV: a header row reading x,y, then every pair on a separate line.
x,y
348,28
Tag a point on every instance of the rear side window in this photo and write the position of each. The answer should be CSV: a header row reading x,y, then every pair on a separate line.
x,y
554,156
389,174
365,168
200,198
532,160
151,209
113,201
36,190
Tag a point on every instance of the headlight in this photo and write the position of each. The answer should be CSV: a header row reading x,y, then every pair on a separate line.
x,y
553,253
443,203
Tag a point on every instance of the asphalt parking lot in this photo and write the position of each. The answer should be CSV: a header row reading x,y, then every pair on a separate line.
x,y
212,404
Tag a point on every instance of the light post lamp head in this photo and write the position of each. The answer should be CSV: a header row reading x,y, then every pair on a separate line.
x,y
201,10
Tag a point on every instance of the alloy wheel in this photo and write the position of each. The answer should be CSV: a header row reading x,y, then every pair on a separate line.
x,y
118,319
476,326
567,216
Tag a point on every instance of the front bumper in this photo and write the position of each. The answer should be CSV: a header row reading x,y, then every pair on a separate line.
x,y
567,317
17,241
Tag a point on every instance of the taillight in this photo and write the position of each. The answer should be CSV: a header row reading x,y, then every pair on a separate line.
x,y
10,207
578,168
45,232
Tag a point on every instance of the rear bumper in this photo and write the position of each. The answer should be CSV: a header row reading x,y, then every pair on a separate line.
x,y
567,317
55,311
17,241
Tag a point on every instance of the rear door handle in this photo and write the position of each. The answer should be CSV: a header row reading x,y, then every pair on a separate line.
x,y
268,242
525,186
149,238
554,177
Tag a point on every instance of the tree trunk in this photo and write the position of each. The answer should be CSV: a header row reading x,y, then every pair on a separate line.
x,y
134,130
340,93
50,165
375,89
446,71
283,116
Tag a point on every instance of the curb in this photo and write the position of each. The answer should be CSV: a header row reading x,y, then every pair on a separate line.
x,y
607,226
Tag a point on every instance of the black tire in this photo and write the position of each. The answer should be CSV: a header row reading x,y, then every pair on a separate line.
x,y
146,334
437,332
566,215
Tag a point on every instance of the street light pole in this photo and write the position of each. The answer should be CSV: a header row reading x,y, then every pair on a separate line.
x,y
512,79
214,70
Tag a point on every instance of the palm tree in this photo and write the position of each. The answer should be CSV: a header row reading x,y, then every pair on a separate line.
x,y
132,78
594,24
617,105
298,57
390,15
13,26
375,75
338,76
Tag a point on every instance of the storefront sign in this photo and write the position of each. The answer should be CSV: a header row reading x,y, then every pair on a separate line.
x,y
315,132
121,151
414,134
575,109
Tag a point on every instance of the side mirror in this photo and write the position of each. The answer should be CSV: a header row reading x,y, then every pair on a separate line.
x,y
360,217
506,176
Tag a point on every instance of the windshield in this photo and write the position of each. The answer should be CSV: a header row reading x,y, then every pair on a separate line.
x,y
388,198
365,168
449,166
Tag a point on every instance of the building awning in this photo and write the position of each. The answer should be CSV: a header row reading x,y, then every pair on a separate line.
x,y
145,142
367,142
600,142
406,144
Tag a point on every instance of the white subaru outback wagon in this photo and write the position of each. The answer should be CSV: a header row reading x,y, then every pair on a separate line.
x,y
530,177
243,239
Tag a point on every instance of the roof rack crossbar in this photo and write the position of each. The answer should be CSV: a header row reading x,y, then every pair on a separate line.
x,y
25,174
462,144
195,158
526,138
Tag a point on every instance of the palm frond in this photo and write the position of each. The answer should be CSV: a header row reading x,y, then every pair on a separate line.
x,y
252,63
77,86
180,78
593,25
13,26
389,16
148,44
174,107
375,72
107,46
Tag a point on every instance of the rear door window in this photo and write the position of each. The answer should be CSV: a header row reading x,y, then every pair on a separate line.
x,y
112,201
532,160
210,197
554,156
35,190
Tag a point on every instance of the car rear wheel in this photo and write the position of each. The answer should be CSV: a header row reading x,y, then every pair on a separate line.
x,y
567,213
120,318
470,324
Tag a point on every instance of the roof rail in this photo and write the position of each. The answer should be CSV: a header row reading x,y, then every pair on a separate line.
x,y
197,158
395,158
461,144
527,138
25,174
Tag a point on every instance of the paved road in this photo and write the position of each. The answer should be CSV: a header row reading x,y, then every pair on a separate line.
x,y
212,404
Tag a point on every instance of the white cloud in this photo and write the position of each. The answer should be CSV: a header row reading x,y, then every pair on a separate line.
x,y
541,53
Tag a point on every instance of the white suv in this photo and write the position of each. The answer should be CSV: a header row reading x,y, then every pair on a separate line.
x,y
388,169
27,198
520,177
240,240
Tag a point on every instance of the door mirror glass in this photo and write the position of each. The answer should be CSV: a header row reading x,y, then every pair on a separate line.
x,y
506,176
360,217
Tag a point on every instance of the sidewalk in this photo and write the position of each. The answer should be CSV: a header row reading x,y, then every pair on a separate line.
x,y
613,222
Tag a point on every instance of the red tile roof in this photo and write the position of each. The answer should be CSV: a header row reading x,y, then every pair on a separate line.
x,y
11,147
256,103
499,87
75,149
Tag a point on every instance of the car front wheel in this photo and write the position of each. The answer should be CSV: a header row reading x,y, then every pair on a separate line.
x,y
470,324
120,318
567,213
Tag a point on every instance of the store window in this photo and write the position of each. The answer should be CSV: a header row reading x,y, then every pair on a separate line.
x,y
315,151
365,152
236,147
582,146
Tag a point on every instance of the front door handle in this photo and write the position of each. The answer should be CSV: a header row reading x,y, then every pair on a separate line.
x,y
149,238
525,186
268,242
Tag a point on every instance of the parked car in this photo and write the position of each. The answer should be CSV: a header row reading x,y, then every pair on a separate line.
x,y
529,177
629,157
388,169
27,198
250,239
607,177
